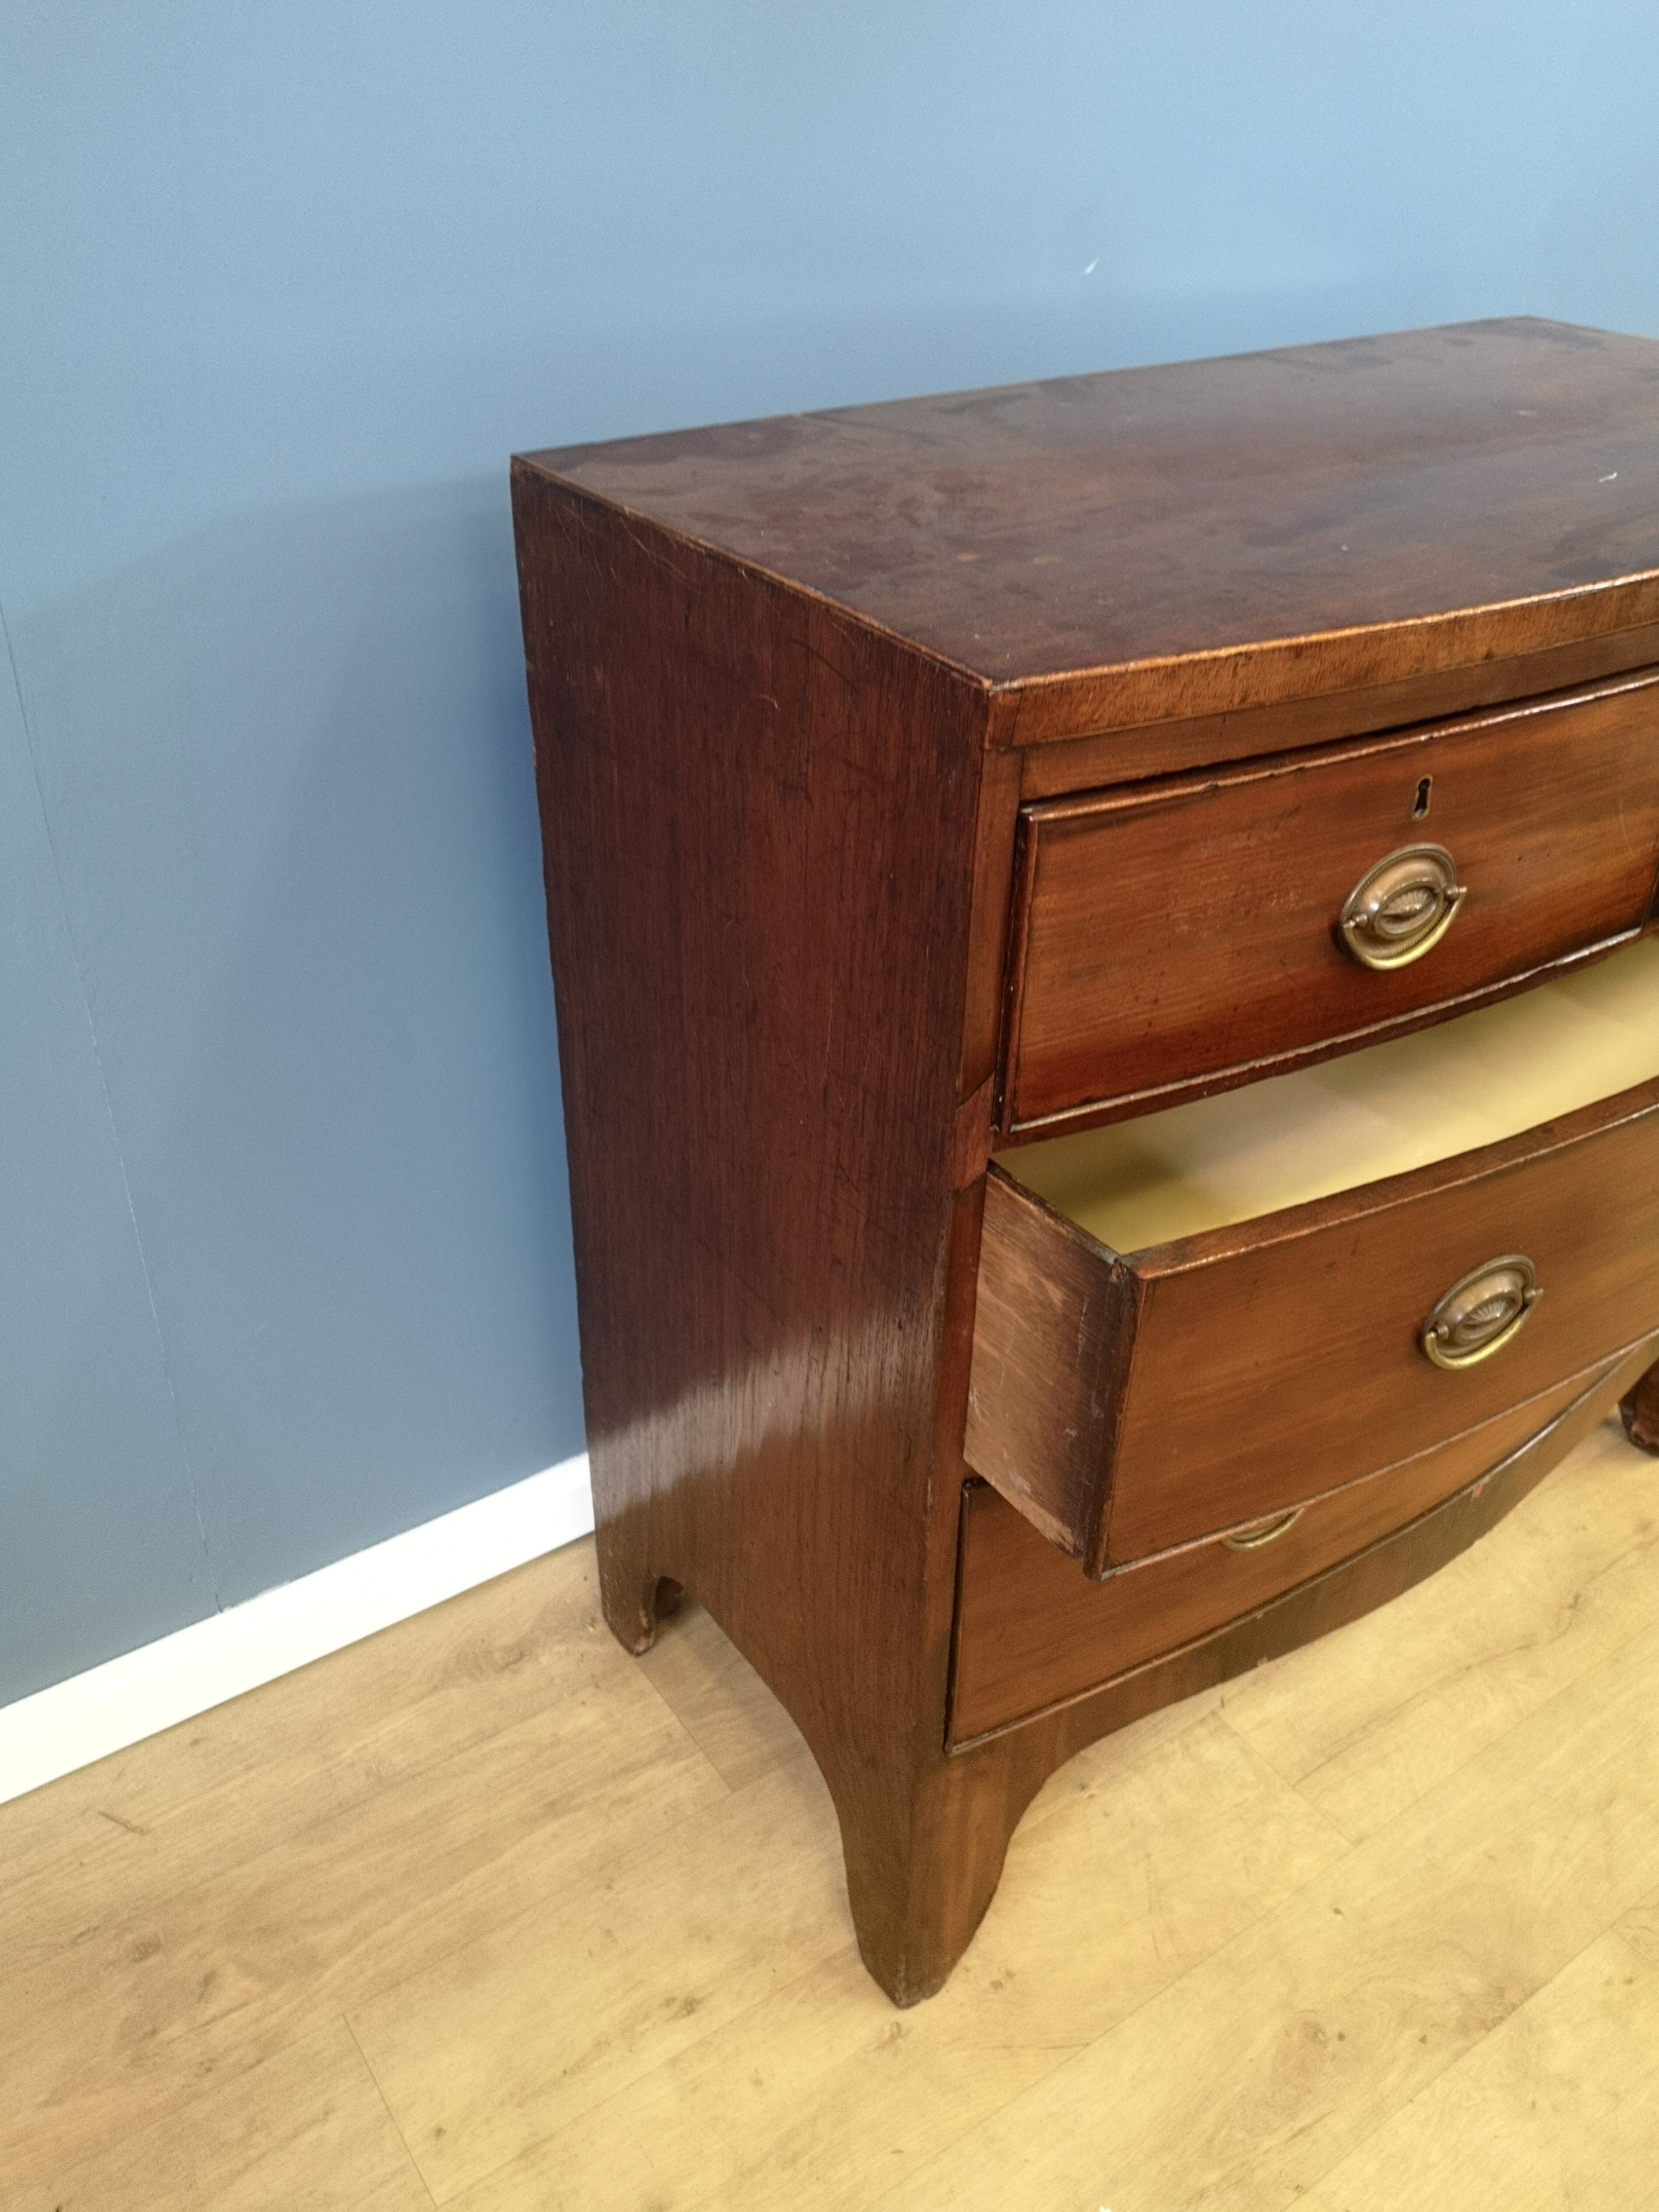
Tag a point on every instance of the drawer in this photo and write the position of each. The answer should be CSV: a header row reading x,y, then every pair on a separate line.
x,y
1031,1633
1131,1398
1185,934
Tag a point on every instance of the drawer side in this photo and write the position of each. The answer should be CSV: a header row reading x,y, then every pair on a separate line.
x,y
1053,1326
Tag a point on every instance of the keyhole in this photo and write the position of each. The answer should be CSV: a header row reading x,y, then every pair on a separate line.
x,y
1420,804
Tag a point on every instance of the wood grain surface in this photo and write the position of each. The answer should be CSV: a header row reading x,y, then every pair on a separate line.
x,y
1172,932
1166,543
1054,1332
758,820
1374,1923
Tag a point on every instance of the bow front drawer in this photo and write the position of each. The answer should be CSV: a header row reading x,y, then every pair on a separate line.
x,y
1031,1633
1160,1357
1184,934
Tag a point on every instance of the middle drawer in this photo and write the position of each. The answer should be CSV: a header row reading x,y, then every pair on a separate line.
x,y
1190,1322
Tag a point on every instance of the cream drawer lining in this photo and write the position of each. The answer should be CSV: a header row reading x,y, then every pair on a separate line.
x,y
1378,1112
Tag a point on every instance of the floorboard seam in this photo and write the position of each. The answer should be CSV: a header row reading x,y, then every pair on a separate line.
x,y
426,2186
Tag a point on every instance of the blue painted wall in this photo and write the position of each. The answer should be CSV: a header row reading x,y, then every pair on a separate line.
x,y
284,1253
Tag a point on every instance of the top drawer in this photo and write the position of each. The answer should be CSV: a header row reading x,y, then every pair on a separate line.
x,y
1184,934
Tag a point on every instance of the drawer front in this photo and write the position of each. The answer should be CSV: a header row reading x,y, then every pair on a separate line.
x,y
1175,935
1032,1631
1131,1405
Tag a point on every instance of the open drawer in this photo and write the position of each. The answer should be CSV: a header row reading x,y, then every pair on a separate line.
x,y
1188,1324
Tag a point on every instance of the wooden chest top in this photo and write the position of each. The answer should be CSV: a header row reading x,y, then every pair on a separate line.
x,y
1284,523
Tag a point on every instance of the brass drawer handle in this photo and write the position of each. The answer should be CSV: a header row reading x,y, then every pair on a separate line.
x,y
1402,908
1479,1315
1269,1532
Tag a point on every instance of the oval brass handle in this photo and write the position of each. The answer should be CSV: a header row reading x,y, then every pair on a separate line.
x,y
1479,1314
1269,1532
1402,908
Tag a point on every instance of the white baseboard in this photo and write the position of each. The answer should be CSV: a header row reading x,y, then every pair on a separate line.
x,y
125,1699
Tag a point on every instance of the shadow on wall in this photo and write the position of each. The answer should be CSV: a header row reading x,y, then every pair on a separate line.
x,y
286,769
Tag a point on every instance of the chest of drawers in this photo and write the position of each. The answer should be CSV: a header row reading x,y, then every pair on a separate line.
x,y
1110,1055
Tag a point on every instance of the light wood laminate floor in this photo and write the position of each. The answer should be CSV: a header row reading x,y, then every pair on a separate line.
x,y
484,1914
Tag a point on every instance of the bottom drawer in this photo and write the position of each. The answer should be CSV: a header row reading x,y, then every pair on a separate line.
x,y
1032,1632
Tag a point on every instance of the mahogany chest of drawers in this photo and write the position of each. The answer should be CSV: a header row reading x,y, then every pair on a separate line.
x,y
1214,790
